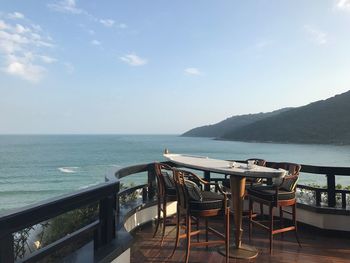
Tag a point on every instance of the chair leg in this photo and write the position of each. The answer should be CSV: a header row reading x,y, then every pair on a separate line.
x,y
296,224
197,225
206,231
158,217
271,227
188,237
281,220
164,220
227,235
250,225
177,233
261,210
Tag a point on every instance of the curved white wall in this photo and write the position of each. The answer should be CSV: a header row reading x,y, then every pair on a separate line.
x,y
145,215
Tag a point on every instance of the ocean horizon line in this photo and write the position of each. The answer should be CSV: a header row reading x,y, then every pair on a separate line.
x,y
63,134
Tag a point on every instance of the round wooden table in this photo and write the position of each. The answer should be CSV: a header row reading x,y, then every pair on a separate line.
x,y
238,173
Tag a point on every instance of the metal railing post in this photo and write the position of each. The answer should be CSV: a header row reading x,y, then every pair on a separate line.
x,y
6,249
151,183
331,189
106,231
343,200
318,197
207,178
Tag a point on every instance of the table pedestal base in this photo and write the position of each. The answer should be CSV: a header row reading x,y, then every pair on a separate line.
x,y
244,252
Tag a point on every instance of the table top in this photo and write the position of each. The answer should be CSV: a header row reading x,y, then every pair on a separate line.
x,y
224,167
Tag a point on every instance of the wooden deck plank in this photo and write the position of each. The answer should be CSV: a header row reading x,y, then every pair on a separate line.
x,y
317,247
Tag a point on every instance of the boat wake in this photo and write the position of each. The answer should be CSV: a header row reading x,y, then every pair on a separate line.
x,y
68,170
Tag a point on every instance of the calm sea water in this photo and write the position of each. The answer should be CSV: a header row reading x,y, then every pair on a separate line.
x,y
36,167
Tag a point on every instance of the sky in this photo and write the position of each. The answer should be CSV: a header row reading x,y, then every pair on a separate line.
x,y
163,67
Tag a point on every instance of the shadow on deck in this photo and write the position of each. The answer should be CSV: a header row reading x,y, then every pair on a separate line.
x,y
317,246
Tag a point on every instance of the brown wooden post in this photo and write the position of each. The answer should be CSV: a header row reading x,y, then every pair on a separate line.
x,y
6,249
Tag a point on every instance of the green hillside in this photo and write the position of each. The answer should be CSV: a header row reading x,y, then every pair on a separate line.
x,y
326,122
230,124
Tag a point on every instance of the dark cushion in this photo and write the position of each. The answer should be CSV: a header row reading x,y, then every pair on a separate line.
x,y
193,191
169,184
268,193
289,183
210,200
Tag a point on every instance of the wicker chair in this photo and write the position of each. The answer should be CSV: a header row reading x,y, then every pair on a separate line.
x,y
165,192
279,196
194,204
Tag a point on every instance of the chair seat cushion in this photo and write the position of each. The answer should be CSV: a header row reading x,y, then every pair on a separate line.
x,y
171,191
289,183
169,184
210,200
193,191
268,193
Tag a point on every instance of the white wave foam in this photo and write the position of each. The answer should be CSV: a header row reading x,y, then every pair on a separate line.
x,y
68,170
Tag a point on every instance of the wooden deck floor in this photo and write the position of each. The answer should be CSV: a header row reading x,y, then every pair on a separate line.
x,y
316,247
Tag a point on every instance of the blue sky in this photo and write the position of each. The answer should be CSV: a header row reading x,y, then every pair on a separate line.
x,y
165,66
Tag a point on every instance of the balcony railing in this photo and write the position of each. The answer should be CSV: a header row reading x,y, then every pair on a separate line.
x,y
104,230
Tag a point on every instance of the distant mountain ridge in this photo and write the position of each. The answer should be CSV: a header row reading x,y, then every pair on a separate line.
x,y
321,122
230,124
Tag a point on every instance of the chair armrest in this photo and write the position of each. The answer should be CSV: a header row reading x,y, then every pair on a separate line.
x,y
200,180
196,177
286,178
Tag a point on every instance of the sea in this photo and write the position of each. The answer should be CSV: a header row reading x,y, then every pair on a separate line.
x,y
37,167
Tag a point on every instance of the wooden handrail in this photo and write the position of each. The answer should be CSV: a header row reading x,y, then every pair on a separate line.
x,y
18,219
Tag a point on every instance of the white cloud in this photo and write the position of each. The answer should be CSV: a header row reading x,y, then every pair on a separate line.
x,y
66,6
107,22
22,29
2,25
15,15
112,23
47,59
193,71
343,4
36,27
134,60
122,26
20,44
95,42
70,6
11,42
26,71
316,35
